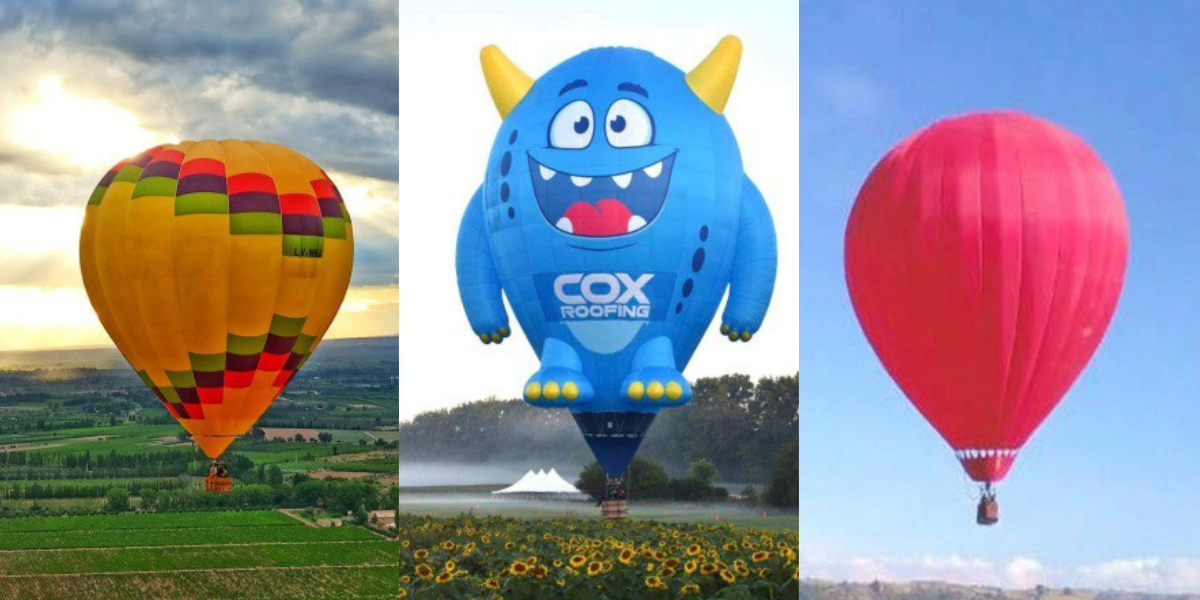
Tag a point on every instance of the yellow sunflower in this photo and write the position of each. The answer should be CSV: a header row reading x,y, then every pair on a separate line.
x,y
690,588
578,560
424,572
445,577
727,576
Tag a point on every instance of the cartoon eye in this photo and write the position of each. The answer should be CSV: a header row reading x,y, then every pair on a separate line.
x,y
572,126
628,125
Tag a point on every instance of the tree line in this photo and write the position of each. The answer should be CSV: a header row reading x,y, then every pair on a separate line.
x,y
734,422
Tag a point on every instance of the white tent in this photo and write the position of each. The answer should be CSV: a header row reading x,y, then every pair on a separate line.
x,y
540,483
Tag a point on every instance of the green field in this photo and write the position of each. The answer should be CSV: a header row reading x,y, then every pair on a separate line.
x,y
256,555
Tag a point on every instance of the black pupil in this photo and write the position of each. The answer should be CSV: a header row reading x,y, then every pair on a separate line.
x,y
582,125
617,124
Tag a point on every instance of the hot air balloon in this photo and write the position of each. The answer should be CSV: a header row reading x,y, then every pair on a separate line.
x,y
216,267
984,257
614,214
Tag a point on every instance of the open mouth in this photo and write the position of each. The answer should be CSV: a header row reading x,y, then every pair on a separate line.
x,y
602,205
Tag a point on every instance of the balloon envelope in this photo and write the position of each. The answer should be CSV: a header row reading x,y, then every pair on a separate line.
x,y
984,258
216,267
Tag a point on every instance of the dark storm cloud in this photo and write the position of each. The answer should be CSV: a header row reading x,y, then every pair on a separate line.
x,y
340,51
320,76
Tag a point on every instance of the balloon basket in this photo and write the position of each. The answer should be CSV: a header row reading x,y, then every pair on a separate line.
x,y
217,484
988,512
614,509
218,480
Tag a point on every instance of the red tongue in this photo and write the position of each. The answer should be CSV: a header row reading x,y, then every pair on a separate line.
x,y
608,217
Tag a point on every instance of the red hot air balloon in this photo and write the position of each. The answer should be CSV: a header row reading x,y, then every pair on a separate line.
x,y
984,256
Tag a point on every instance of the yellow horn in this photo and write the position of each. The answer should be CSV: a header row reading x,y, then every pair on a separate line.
x,y
505,81
712,79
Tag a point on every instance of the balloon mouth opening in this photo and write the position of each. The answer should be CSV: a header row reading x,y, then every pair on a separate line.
x,y
987,465
602,206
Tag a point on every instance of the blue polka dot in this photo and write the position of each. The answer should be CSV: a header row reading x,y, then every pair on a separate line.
x,y
687,287
504,192
512,137
704,233
512,214
698,260
505,163
679,308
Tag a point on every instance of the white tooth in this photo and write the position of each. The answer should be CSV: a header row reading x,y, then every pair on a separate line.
x,y
565,225
547,174
654,170
622,181
580,181
636,223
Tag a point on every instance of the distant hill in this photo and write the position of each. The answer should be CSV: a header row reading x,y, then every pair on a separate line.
x,y
330,353
932,590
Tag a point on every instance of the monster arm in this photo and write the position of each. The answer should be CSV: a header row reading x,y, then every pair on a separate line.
x,y
478,284
753,276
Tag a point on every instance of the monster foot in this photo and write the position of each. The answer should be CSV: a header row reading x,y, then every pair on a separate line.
x,y
556,386
657,385
495,336
736,333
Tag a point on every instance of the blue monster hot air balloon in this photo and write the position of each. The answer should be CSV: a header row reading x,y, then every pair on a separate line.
x,y
613,215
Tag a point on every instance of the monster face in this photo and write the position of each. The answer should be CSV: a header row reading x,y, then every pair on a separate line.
x,y
601,139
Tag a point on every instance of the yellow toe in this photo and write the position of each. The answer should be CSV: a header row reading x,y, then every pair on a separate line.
x,y
485,339
725,329
745,336
636,390
550,391
533,391
654,390
570,391
674,391
733,336
496,338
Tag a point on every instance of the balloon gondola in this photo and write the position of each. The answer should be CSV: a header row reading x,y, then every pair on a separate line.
x,y
216,268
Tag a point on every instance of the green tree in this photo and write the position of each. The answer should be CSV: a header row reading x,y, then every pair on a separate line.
x,y
116,500
274,476
784,490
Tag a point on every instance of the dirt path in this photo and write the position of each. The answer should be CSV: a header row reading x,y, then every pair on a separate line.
x,y
291,512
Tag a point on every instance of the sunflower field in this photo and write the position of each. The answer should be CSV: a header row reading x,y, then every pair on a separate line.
x,y
501,558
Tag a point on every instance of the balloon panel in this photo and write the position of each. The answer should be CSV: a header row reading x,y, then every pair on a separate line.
x,y
216,267
984,256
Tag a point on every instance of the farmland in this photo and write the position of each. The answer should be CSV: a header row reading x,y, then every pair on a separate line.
x,y
263,555
75,425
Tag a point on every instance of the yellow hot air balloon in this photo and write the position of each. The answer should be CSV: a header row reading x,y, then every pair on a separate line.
x,y
216,267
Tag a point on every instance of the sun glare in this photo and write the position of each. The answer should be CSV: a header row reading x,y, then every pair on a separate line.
x,y
87,132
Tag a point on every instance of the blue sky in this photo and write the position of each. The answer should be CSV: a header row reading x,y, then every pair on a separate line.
x,y
1118,463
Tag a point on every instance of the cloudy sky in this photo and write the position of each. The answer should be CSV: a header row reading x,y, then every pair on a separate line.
x,y
88,83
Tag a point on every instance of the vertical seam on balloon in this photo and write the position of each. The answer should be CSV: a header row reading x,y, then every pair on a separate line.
x,y
323,266
185,327
240,413
1009,401
143,315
